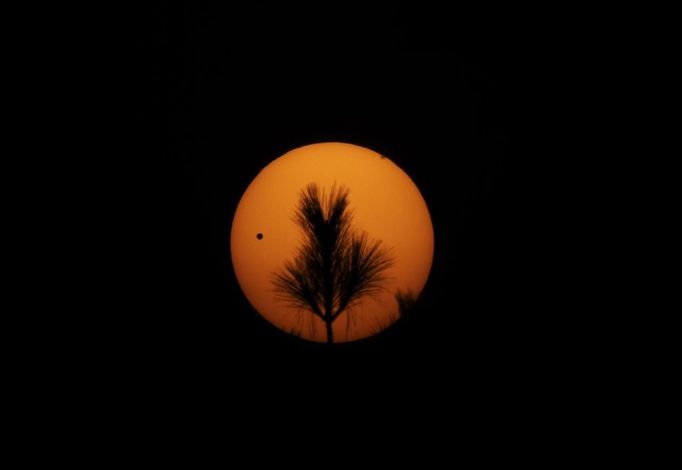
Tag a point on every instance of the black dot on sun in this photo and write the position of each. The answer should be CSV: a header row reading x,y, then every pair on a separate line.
x,y
259,236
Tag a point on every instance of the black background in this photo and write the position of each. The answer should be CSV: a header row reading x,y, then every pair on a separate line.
x,y
220,92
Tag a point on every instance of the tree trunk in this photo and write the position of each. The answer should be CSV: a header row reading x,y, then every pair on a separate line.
x,y
327,242
330,333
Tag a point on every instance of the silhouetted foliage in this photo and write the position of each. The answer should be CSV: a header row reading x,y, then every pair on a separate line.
x,y
406,300
335,266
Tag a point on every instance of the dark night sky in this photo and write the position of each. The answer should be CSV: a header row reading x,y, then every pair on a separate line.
x,y
220,93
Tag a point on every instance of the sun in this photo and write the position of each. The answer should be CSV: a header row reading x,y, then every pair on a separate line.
x,y
383,207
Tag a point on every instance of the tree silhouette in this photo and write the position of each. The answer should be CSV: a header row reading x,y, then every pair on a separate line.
x,y
335,266
406,300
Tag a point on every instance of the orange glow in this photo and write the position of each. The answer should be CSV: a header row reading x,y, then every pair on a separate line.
x,y
384,202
